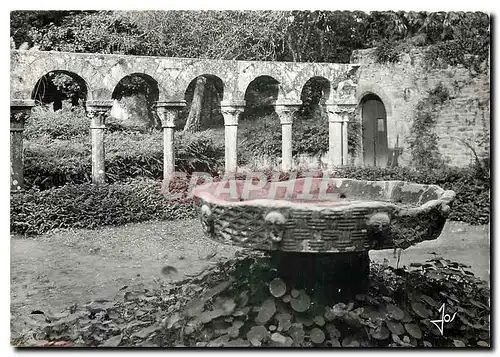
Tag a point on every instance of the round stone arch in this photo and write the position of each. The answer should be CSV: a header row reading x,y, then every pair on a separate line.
x,y
24,80
42,88
364,90
217,79
314,94
285,87
203,68
307,74
93,78
117,72
257,95
151,82
209,107
136,109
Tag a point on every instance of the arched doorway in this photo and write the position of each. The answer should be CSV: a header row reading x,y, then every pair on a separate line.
x,y
374,116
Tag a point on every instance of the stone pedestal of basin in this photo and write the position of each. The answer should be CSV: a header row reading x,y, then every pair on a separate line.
x,y
323,215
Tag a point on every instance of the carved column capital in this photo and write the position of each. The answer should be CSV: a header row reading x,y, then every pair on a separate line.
x,y
231,111
345,110
20,110
97,111
98,106
339,112
286,111
168,111
333,112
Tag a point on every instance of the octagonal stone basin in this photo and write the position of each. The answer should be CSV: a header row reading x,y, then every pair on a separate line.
x,y
322,215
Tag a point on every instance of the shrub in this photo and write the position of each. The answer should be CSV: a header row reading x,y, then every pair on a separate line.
x,y
387,52
263,138
65,124
91,206
471,54
53,163
310,137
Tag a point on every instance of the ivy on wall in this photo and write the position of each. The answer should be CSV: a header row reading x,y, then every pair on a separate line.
x,y
423,141
469,54
387,52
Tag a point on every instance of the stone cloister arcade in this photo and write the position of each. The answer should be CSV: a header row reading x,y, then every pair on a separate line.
x,y
170,77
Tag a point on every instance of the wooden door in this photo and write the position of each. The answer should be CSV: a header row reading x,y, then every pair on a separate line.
x,y
375,148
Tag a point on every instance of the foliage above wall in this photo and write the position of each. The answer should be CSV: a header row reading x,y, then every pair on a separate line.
x,y
452,38
468,53
299,36
386,53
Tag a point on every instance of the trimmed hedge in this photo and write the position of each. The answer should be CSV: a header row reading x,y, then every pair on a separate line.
x,y
91,206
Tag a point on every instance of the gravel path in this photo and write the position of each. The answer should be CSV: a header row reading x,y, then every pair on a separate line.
x,y
53,271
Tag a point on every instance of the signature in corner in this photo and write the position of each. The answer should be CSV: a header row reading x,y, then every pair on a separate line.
x,y
444,318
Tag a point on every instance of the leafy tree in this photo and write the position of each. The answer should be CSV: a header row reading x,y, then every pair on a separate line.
x,y
243,35
21,22
56,87
100,32
323,36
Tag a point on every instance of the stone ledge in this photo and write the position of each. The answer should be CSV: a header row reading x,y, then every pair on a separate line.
x,y
170,104
99,103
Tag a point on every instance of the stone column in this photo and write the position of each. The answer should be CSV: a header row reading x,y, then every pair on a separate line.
x,y
168,111
345,122
338,121
334,137
286,112
231,112
20,110
345,110
97,111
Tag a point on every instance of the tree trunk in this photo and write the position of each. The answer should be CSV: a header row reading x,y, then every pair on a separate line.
x,y
290,44
194,117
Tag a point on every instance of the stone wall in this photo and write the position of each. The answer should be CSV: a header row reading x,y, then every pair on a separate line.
x,y
466,115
